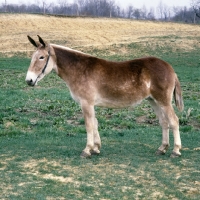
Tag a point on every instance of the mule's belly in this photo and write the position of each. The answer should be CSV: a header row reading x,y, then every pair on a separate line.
x,y
117,103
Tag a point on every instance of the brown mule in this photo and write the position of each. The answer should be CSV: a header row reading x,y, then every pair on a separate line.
x,y
96,82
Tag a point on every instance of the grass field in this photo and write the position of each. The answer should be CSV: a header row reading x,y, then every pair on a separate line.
x,y
42,129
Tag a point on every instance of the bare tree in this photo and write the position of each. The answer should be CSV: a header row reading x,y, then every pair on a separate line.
x,y
196,7
44,4
129,11
118,11
137,13
151,14
166,12
47,7
160,9
123,13
111,6
81,6
63,6
5,6
144,12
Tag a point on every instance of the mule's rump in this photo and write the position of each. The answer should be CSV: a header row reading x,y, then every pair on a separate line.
x,y
97,82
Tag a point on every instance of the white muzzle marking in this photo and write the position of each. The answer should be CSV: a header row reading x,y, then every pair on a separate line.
x,y
32,78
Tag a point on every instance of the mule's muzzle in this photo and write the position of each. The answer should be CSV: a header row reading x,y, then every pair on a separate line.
x,y
30,82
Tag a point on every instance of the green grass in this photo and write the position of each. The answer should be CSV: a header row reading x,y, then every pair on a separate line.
x,y
42,134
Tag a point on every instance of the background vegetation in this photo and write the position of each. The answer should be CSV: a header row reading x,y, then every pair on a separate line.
x,y
109,8
42,131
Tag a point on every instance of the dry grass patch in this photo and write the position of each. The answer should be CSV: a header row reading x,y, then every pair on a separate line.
x,y
104,170
86,32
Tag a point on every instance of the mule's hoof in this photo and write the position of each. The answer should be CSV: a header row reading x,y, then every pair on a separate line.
x,y
159,152
175,155
85,155
95,152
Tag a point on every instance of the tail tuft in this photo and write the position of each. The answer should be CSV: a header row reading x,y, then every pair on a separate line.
x,y
178,95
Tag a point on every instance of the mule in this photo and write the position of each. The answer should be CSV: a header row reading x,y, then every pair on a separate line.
x,y
97,82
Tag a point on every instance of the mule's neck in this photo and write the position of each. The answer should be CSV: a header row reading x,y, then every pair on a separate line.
x,y
70,62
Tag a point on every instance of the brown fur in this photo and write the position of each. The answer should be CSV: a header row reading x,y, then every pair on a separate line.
x,y
97,82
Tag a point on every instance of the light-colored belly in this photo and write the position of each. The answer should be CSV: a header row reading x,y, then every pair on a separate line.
x,y
108,103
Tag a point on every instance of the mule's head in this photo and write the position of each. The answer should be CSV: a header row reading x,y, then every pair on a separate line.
x,y
42,61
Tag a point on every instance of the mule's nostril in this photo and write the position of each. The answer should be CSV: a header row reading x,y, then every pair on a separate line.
x,y
30,82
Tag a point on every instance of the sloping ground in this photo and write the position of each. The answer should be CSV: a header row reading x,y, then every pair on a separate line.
x,y
82,32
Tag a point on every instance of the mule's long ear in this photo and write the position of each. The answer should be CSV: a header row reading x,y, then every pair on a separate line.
x,y
42,41
32,41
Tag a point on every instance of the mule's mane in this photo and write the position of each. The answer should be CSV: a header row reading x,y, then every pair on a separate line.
x,y
69,49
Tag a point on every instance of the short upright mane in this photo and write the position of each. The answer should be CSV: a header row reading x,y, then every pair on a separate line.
x,y
68,49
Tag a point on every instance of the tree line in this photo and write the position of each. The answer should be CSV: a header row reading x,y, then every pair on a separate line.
x,y
109,8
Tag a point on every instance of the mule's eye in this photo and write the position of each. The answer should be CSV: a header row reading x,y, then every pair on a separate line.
x,y
41,58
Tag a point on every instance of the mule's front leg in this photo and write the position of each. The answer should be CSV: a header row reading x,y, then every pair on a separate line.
x,y
89,116
97,139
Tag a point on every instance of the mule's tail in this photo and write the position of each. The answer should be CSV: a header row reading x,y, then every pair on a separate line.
x,y
178,95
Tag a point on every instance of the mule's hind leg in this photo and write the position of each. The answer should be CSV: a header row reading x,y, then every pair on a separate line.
x,y
174,124
165,127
